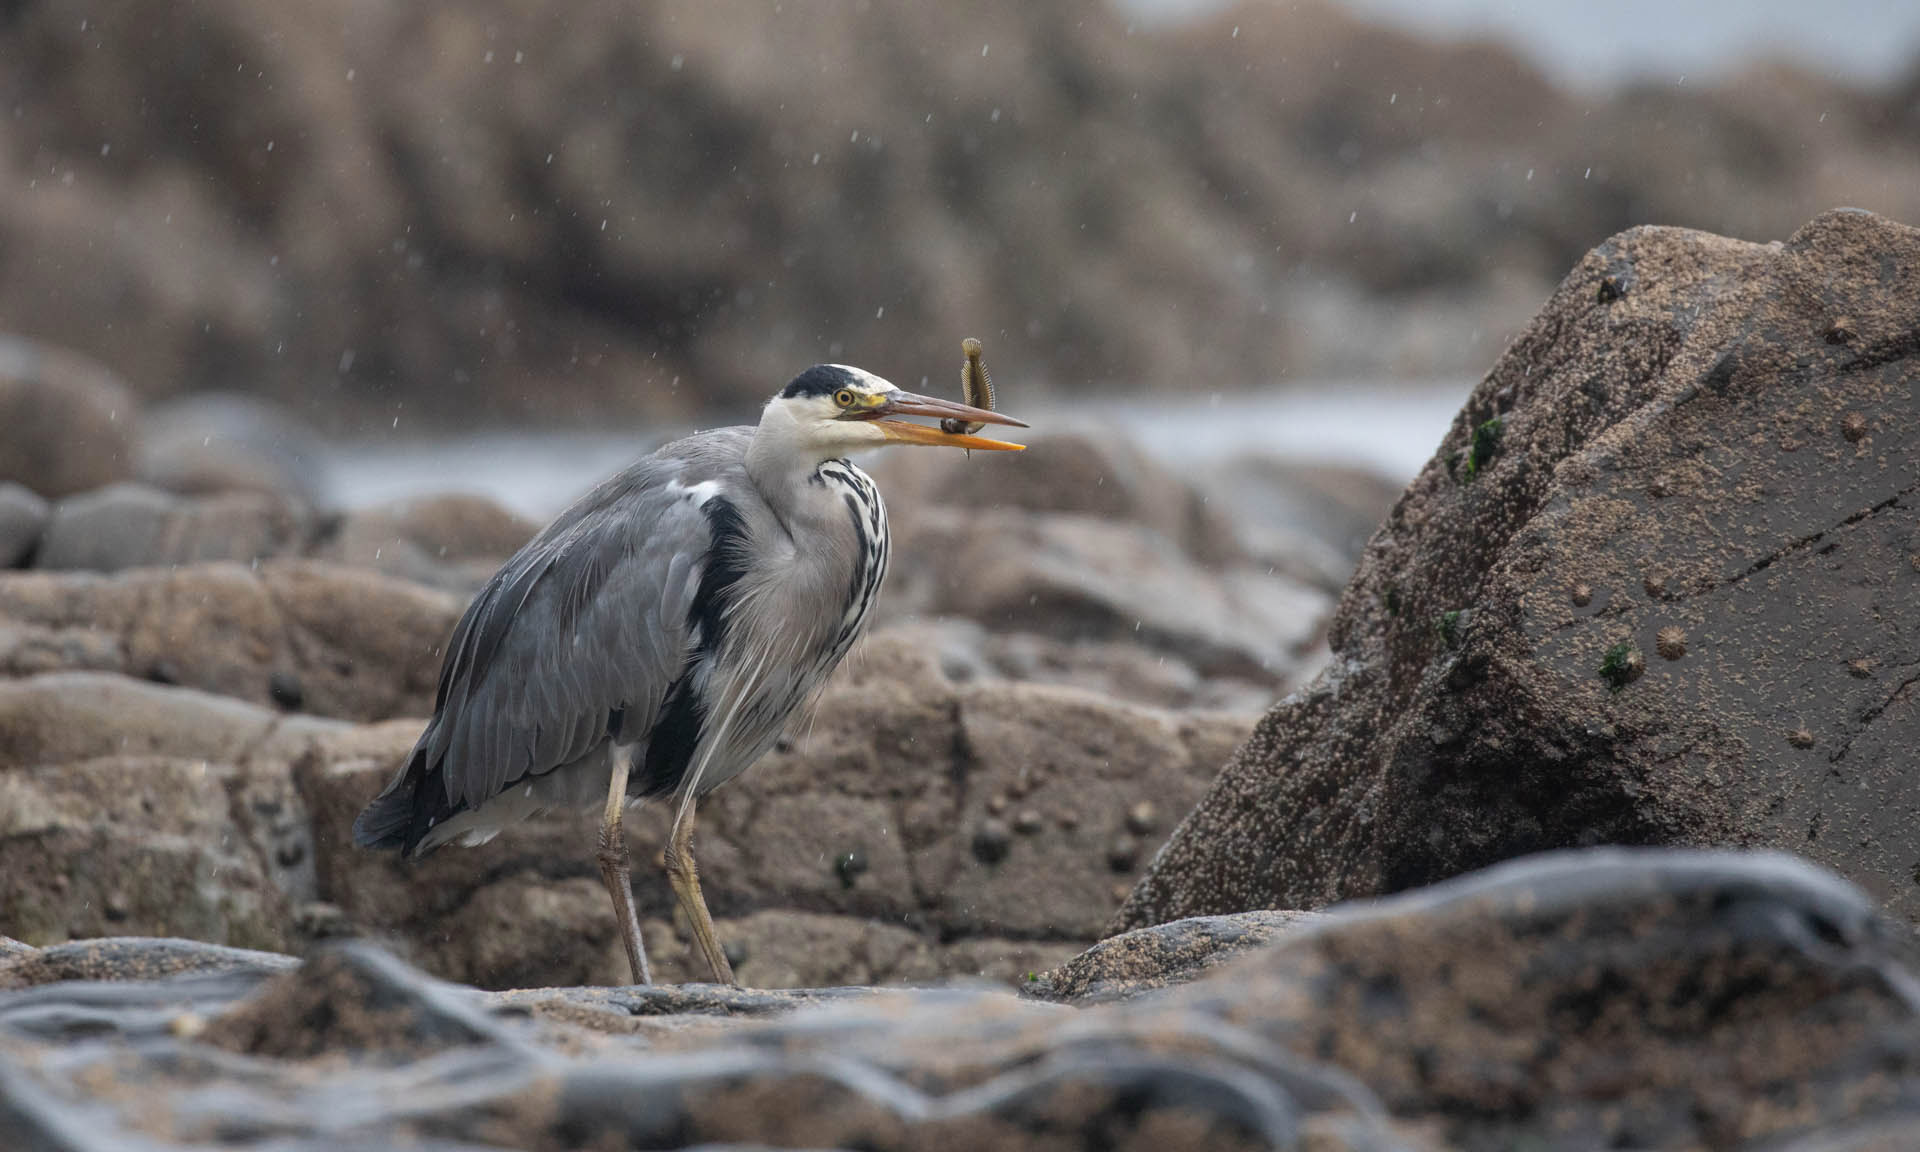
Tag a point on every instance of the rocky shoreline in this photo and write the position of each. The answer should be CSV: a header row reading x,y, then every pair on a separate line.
x,y
1605,998
1649,602
205,671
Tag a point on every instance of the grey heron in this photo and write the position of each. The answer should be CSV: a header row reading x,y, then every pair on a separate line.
x,y
654,639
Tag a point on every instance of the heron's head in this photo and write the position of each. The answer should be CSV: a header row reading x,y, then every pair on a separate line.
x,y
832,409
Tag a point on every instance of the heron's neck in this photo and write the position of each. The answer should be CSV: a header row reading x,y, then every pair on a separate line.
x,y
781,465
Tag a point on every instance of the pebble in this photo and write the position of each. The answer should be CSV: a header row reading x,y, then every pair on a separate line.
x,y
286,690
187,1025
1027,822
1123,854
1143,818
320,920
991,841
850,866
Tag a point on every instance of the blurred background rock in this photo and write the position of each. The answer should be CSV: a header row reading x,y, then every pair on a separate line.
x,y
502,213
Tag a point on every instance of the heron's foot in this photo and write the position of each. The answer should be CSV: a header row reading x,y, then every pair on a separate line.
x,y
685,879
686,885
716,956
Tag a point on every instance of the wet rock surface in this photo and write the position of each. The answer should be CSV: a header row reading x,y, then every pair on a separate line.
x,y
1605,998
1642,594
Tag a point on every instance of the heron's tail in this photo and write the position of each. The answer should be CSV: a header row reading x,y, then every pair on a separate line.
x,y
388,820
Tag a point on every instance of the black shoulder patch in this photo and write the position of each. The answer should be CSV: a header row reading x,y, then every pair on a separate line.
x,y
726,563
671,744
819,380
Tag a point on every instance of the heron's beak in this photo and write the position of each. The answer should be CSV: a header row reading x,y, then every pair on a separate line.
x,y
908,404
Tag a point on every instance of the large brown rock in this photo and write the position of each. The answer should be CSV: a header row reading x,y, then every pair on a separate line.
x,y
1646,592
301,635
1580,1000
66,423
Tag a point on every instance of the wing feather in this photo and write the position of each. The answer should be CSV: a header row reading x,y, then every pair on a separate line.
x,y
589,620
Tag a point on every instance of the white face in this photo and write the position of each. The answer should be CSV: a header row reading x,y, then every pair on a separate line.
x,y
833,409
828,425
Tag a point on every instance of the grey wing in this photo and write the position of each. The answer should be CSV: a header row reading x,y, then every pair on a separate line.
x,y
585,629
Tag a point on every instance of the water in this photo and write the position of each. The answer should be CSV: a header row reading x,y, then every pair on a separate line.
x,y
1595,46
1391,428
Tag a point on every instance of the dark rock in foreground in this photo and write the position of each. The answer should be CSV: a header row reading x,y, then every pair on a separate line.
x,y
1599,999
1652,589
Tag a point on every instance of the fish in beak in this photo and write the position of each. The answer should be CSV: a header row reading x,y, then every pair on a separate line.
x,y
909,404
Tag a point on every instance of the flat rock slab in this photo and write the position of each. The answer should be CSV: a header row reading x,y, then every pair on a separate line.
x,y
1608,998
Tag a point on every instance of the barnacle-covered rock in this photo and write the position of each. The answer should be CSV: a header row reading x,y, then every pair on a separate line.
x,y
1717,480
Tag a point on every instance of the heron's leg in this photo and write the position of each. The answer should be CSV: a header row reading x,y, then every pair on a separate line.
x,y
685,879
617,869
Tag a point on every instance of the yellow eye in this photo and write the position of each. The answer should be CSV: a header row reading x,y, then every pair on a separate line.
x,y
844,398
